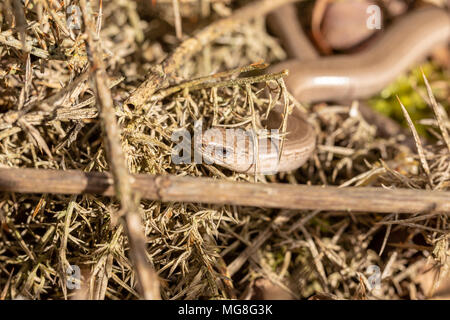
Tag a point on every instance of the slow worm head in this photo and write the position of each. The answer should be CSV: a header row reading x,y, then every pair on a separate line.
x,y
243,151
341,77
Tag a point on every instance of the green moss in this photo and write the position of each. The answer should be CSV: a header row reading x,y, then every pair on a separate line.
x,y
407,88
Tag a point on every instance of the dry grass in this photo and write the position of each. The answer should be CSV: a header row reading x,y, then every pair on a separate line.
x,y
49,120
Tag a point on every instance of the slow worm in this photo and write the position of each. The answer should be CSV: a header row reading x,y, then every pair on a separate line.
x,y
340,77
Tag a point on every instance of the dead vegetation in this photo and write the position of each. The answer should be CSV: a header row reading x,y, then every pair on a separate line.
x,y
50,120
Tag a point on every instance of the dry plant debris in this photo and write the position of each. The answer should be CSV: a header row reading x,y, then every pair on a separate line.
x,y
49,120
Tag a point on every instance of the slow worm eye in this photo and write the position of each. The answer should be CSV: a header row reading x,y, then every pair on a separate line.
x,y
222,152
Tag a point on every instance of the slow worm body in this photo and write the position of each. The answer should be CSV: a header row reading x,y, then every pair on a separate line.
x,y
340,77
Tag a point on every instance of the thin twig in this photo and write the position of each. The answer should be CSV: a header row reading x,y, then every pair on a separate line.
x,y
437,109
177,17
10,41
53,110
47,104
205,190
147,278
158,77
420,150
212,80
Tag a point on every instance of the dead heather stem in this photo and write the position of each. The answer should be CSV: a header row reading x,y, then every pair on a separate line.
x,y
158,77
147,278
